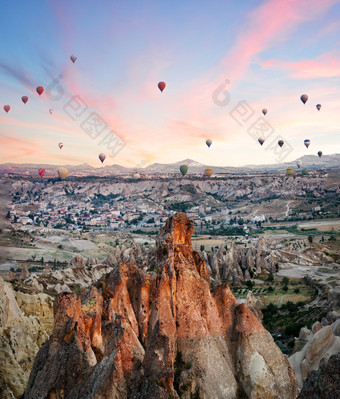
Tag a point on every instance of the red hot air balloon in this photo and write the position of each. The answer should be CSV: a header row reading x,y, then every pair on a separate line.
x,y
161,86
73,58
304,98
24,99
41,172
280,143
261,140
40,90
264,111
7,108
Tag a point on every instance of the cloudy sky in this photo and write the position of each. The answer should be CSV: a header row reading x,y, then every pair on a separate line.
x,y
222,61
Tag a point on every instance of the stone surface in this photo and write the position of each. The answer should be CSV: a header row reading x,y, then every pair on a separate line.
x,y
159,334
24,326
325,382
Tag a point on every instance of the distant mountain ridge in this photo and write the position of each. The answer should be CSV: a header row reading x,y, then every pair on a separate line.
x,y
311,162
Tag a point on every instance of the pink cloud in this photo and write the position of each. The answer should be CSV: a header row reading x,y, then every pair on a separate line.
x,y
324,66
270,23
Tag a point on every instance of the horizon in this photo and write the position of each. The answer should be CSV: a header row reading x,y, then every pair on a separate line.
x,y
264,55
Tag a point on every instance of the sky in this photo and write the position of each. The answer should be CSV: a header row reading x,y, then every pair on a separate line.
x,y
222,62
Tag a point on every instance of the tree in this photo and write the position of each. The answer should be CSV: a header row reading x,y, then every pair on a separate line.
x,y
297,291
42,261
271,288
202,248
285,281
8,215
270,277
285,288
310,239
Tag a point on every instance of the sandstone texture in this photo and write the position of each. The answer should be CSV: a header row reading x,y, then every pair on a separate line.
x,y
160,333
325,382
26,321
316,345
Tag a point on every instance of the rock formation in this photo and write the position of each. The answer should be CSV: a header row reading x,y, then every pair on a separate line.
x,y
324,383
25,324
159,334
238,264
312,346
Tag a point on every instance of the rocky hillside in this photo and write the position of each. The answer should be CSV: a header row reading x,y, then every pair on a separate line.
x,y
325,382
26,321
159,334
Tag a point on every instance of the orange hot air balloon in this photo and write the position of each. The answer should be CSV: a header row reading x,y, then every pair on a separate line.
x,y
264,111
24,99
73,58
208,172
280,143
261,140
41,172
7,108
40,90
161,86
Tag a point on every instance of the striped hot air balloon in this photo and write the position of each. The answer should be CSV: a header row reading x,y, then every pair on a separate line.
x,y
161,86
40,90
208,172
41,172
24,99
307,143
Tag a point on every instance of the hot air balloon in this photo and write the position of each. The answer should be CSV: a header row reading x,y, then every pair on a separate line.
x,y
320,154
183,169
40,90
136,175
60,145
318,107
63,172
7,108
161,86
73,58
208,142
102,156
307,143
304,172
298,163
280,143
289,171
24,99
208,172
260,140
304,98
51,111
41,172
264,111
